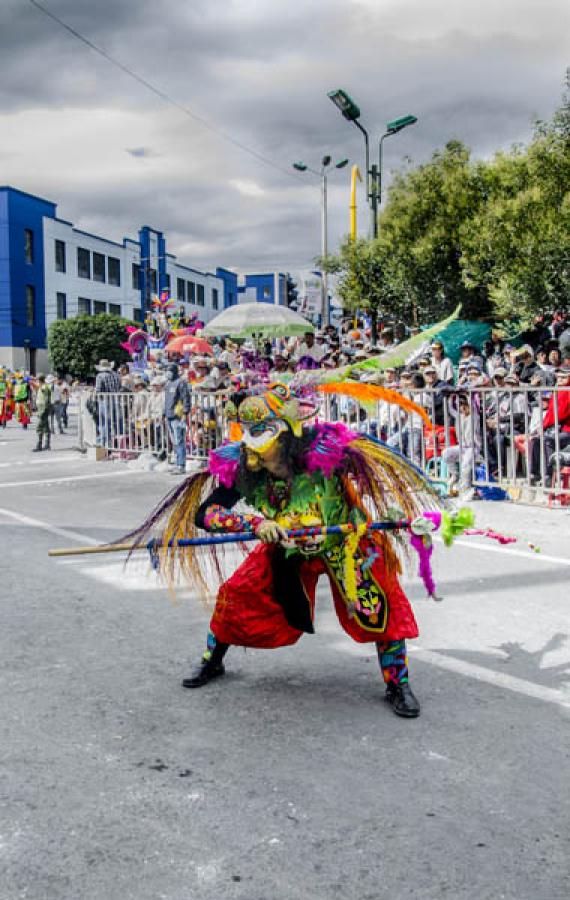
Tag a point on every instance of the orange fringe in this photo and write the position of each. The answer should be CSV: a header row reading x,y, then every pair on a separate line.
x,y
372,393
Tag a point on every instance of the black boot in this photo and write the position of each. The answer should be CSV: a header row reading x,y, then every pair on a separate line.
x,y
402,700
48,441
211,665
38,446
206,671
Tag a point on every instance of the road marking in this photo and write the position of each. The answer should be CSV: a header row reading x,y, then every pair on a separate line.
x,y
8,484
490,548
471,670
52,461
490,676
37,523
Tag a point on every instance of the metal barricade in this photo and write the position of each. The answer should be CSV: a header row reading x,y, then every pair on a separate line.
x,y
479,437
128,424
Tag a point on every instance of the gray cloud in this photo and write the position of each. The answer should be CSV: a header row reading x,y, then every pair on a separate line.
x,y
259,70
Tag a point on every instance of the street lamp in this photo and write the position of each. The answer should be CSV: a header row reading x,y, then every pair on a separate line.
x,y
326,162
392,127
351,112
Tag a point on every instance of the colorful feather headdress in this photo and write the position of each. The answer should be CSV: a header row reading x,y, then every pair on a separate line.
x,y
371,393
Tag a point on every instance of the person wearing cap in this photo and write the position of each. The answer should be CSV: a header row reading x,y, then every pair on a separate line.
x,y
525,365
176,408
437,388
107,382
461,459
43,409
504,417
441,362
468,351
218,379
555,426
199,370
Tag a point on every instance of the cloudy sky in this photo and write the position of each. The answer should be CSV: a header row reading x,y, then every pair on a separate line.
x,y
115,155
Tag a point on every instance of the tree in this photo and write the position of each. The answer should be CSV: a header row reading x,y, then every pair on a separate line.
x,y
366,280
422,223
518,245
492,235
76,345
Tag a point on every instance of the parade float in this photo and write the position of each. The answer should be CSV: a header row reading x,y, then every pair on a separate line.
x,y
162,334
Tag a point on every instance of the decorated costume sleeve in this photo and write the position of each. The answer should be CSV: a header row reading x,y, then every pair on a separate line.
x,y
218,518
215,513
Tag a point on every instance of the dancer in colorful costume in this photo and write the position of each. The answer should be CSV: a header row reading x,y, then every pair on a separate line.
x,y
292,475
22,397
6,398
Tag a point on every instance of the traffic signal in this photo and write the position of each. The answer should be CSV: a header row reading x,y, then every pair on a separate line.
x,y
291,292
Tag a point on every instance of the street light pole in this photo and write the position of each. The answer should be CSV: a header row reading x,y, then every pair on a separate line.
x,y
325,318
351,112
301,167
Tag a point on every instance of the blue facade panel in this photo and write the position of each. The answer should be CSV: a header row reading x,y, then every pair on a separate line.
x,y
263,285
5,297
23,212
230,281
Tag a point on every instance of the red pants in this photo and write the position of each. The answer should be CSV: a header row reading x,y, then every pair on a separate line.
x,y
248,615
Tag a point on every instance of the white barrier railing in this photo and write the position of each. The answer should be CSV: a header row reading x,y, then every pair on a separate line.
x,y
128,424
487,437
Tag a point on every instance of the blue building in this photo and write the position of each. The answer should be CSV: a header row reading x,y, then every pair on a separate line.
x,y
51,270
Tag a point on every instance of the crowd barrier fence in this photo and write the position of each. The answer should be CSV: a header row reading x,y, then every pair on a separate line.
x,y
490,438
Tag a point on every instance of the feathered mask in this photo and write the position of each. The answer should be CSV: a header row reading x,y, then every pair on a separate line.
x,y
276,402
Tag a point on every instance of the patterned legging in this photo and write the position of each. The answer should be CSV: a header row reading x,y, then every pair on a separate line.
x,y
391,656
393,661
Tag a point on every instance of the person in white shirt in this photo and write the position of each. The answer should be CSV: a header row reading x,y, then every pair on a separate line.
x,y
308,347
441,363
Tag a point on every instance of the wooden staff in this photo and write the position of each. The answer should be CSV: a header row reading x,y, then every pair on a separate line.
x,y
230,538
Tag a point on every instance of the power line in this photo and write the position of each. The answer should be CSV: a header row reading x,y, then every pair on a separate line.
x,y
160,93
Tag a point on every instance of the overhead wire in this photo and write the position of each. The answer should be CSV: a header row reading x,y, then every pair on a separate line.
x,y
161,93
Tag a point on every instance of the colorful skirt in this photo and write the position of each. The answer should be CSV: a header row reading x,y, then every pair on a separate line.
x,y
269,602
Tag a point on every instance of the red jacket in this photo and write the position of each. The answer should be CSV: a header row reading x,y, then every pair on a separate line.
x,y
563,406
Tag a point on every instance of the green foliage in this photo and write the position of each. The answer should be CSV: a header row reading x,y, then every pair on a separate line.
x,y
76,345
491,235
366,278
422,227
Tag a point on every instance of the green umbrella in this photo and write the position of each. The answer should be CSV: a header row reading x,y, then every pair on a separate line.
x,y
257,319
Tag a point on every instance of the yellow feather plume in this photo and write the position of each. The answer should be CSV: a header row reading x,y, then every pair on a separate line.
x,y
370,393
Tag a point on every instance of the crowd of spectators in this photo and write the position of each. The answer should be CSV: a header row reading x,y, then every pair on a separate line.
x,y
497,400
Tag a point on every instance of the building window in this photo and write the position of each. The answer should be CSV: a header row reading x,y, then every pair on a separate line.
x,y
167,282
215,298
152,280
114,271
137,314
267,293
29,244
191,292
99,307
136,277
60,256
181,289
98,267
200,297
61,304
30,305
83,263
114,309
83,306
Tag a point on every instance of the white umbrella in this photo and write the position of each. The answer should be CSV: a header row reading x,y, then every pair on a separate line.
x,y
264,319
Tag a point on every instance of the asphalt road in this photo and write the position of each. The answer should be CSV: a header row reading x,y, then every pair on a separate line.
x,y
289,779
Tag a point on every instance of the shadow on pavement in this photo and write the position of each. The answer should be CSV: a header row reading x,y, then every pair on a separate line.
x,y
522,663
